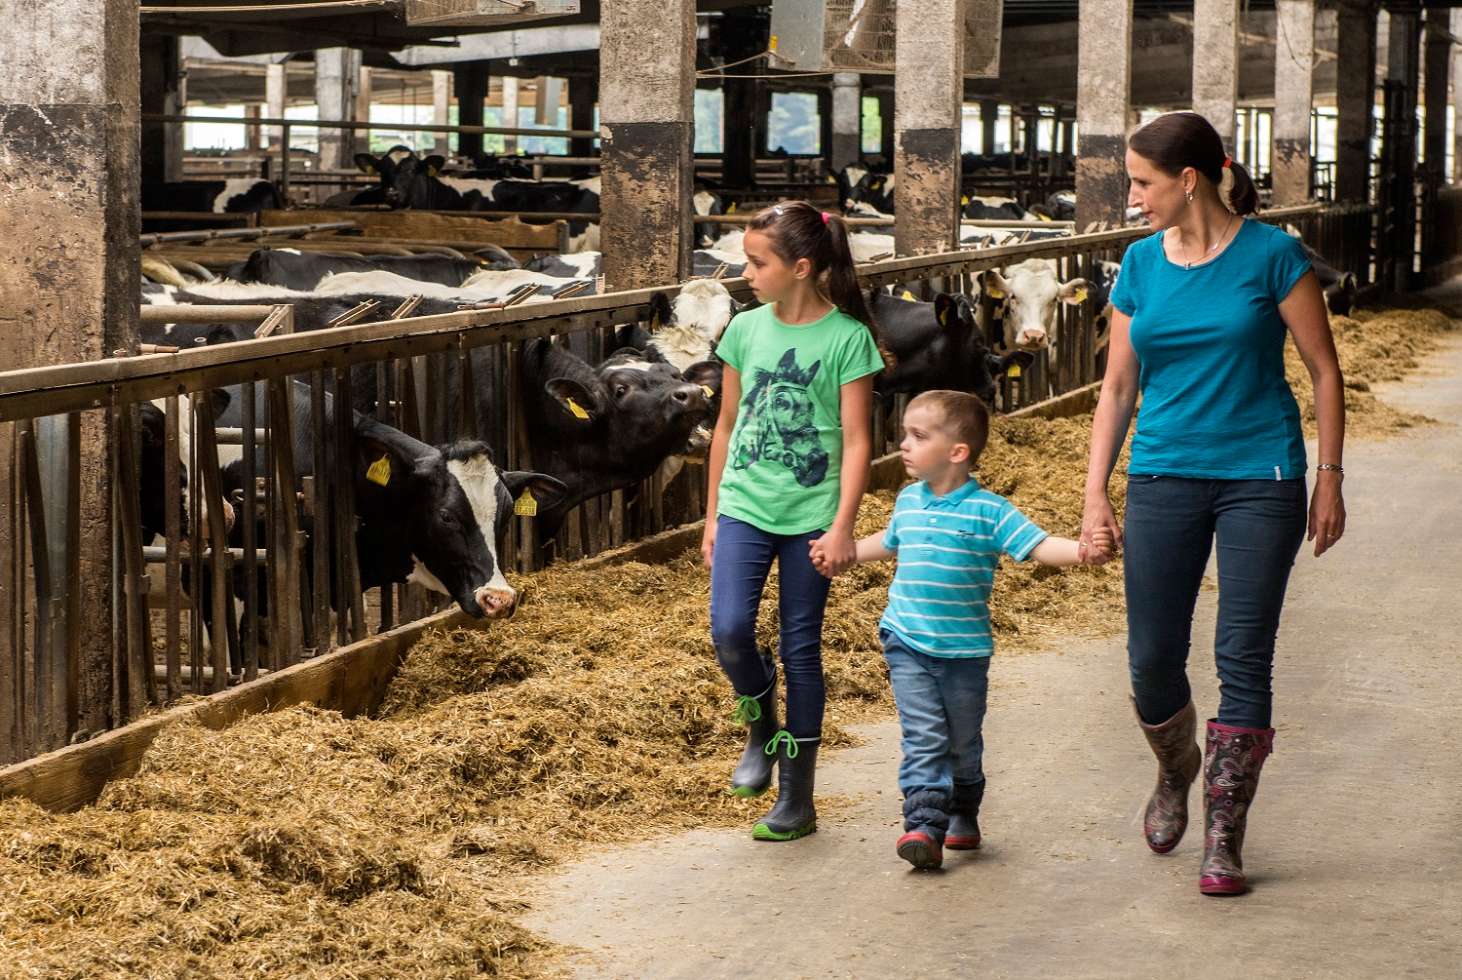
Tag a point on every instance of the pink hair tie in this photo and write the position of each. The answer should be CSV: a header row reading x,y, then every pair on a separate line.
x,y
825,216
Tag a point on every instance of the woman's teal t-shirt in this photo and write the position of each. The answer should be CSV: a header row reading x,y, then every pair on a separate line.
x,y
784,463
1210,347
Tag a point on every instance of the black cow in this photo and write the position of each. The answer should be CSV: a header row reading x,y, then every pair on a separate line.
x,y
432,515
874,191
936,345
304,270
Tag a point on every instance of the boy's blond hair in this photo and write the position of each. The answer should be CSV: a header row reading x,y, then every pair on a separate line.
x,y
962,417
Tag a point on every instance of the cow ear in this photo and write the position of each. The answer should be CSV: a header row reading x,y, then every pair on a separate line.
x,y
993,283
946,311
434,164
387,456
707,374
1073,291
577,402
365,163
545,490
218,401
660,311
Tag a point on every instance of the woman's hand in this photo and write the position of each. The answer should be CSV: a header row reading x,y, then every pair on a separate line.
x,y
1327,512
834,552
1098,516
708,542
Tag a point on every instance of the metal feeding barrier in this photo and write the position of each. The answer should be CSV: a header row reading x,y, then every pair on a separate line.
x,y
237,603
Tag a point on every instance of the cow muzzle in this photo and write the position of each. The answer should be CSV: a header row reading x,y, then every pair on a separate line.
x,y
497,603
1031,338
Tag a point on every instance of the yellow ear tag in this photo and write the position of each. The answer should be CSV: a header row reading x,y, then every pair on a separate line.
x,y
944,317
731,208
908,297
380,471
577,409
526,505
1079,296
709,391
1014,370
964,200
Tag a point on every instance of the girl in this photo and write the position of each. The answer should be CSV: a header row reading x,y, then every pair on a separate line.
x,y
789,464
1202,310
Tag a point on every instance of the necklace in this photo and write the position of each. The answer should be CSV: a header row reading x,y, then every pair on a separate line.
x,y
1188,265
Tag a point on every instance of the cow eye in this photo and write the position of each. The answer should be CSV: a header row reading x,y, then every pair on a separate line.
x,y
620,389
448,518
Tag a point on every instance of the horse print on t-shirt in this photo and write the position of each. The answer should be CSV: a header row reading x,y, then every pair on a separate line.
x,y
780,422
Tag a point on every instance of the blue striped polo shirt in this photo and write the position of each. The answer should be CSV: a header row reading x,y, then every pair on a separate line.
x,y
947,549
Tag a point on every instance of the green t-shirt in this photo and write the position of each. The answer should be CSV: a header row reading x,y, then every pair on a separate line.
x,y
784,464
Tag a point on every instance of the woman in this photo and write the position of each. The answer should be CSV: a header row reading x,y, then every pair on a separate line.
x,y
1201,311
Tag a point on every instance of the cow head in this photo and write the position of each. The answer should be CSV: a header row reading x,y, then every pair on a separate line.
x,y
1030,292
632,397
452,505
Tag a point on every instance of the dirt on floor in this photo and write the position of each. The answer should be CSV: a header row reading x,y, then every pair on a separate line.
x,y
306,844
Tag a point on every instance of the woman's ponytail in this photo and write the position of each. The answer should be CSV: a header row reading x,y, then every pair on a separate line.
x,y
1236,189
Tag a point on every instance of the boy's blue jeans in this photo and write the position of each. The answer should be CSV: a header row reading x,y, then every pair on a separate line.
x,y
740,564
941,705
1169,530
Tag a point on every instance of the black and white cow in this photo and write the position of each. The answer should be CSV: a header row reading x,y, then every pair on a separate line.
x,y
304,270
1339,287
237,195
871,196
984,207
1028,293
937,345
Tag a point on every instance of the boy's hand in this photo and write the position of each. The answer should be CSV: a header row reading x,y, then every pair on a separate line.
x,y
1102,548
833,553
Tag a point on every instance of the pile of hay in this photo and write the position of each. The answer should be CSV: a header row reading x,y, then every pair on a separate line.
x,y
305,844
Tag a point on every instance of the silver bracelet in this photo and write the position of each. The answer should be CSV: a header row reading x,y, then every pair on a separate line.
x,y
1330,466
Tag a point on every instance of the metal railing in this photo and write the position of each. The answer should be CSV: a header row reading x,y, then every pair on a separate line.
x,y
291,556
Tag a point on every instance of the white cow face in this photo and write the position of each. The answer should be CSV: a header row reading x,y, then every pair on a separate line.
x,y
1031,291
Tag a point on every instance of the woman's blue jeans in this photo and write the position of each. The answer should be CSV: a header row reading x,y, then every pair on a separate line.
x,y
740,564
1170,526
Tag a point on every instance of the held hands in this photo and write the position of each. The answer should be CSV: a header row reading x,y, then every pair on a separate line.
x,y
1100,548
1101,535
833,553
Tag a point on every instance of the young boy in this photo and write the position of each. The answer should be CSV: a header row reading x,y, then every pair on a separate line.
x,y
948,535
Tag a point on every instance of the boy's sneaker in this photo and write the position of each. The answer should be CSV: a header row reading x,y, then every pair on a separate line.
x,y
920,849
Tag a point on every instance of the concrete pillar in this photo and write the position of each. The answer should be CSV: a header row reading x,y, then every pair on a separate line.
x,y
886,121
1216,64
1294,58
742,34
825,124
847,119
1457,99
929,88
359,140
69,134
1103,93
1438,62
1355,97
276,99
646,85
337,77
549,90
470,83
583,93
989,117
510,112
164,92
1398,153
441,108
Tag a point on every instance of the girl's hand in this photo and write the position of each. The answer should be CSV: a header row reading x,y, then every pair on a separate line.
x,y
1096,516
708,542
834,552
1327,512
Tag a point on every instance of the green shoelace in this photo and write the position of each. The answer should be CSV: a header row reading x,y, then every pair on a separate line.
x,y
748,710
782,737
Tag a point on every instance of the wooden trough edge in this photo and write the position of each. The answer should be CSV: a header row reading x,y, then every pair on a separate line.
x,y
352,679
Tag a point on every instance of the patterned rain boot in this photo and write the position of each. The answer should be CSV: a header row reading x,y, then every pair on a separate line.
x,y
753,775
1231,778
1178,762
926,819
793,816
964,817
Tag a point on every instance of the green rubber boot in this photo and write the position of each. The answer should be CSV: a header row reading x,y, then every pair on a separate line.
x,y
753,775
793,816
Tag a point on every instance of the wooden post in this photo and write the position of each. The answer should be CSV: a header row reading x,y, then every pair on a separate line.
x,y
359,140
1457,98
510,112
742,34
1403,79
1355,97
441,108
929,92
847,119
989,117
1294,59
1438,59
1216,65
162,92
583,94
470,82
1103,97
646,84
69,131
337,72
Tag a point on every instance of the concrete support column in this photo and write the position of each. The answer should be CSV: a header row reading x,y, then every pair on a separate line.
x,y
441,108
470,84
989,117
1294,60
337,77
164,92
583,94
510,112
1398,151
1438,63
1103,93
359,140
646,85
69,132
276,92
1457,98
1216,64
847,119
929,88
1355,97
